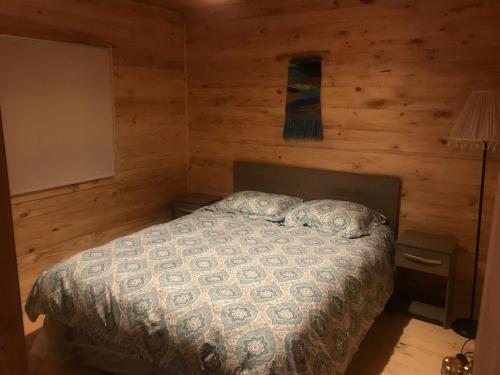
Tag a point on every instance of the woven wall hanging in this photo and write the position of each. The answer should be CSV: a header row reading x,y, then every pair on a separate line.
x,y
303,101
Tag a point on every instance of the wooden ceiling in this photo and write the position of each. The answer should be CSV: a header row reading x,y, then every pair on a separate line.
x,y
187,6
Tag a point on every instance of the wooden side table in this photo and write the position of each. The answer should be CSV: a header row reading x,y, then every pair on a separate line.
x,y
424,278
187,204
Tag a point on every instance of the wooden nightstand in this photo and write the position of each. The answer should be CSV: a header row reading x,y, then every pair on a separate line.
x,y
423,274
189,203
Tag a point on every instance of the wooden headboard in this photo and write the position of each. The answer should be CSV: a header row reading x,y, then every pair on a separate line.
x,y
379,192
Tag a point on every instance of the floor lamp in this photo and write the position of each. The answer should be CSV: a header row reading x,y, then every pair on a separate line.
x,y
477,128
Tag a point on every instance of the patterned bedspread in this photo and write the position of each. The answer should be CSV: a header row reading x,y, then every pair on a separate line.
x,y
215,293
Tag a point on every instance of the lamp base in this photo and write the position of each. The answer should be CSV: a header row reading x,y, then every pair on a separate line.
x,y
465,328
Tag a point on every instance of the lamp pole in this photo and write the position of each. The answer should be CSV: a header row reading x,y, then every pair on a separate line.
x,y
468,327
478,234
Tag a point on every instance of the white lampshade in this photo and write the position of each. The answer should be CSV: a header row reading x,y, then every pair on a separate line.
x,y
479,122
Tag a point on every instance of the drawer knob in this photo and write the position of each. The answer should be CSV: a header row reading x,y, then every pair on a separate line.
x,y
429,261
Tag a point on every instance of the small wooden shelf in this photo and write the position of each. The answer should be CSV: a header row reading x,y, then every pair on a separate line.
x,y
432,312
189,203
423,275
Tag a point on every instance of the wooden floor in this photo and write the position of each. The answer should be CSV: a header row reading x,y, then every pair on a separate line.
x,y
400,345
395,345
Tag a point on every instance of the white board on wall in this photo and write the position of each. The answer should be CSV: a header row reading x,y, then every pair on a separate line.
x,y
56,101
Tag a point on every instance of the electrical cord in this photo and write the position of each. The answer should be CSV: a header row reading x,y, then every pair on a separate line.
x,y
463,346
464,357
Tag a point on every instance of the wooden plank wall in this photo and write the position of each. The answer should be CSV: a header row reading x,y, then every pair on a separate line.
x,y
397,75
12,345
150,127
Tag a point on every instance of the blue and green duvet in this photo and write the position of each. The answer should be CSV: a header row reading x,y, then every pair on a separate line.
x,y
220,293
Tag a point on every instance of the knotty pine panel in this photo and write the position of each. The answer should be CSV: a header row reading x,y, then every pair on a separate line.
x,y
397,75
150,128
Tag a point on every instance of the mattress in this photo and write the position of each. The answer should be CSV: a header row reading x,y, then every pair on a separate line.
x,y
222,293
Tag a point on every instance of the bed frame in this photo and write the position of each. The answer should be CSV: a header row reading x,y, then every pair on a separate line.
x,y
379,192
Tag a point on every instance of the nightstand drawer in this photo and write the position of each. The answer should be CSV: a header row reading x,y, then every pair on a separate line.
x,y
423,260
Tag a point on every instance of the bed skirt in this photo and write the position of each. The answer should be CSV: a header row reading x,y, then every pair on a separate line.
x,y
65,345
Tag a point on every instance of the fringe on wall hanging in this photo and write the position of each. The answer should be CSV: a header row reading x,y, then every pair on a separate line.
x,y
303,101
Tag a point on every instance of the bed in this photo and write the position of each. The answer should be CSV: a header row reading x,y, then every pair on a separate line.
x,y
221,293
